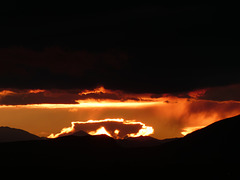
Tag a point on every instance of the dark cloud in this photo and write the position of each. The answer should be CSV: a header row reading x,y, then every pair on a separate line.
x,y
109,96
110,126
146,71
124,129
60,96
56,68
23,97
145,47
222,93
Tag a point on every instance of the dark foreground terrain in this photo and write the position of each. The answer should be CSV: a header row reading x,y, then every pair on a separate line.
x,y
214,148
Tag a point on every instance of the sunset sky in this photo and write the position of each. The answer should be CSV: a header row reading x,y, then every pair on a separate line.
x,y
43,112
169,66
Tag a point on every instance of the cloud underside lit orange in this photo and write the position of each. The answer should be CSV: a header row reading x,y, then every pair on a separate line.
x,y
116,128
169,116
88,104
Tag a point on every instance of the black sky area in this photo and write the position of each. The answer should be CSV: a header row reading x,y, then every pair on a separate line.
x,y
161,47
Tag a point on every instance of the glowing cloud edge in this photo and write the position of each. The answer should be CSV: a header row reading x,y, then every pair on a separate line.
x,y
144,131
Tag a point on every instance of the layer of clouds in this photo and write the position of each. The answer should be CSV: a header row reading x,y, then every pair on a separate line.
x,y
218,93
110,126
61,96
27,96
24,68
74,96
222,93
139,47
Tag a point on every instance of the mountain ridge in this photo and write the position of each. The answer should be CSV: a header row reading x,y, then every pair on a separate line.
x,y
8,134
215,144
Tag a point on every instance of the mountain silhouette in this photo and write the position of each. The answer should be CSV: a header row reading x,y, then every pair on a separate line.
x,y
86,142
216,145
8,134
142,141
80,133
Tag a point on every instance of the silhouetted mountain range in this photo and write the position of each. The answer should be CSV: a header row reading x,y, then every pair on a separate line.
x,y
142,141
8,134
216,144
80,133
212,151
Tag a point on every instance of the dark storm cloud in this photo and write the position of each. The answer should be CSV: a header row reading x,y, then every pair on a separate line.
x,y
56,68
138,73
110,126
222,93
109,96
154,48
58,96
23,97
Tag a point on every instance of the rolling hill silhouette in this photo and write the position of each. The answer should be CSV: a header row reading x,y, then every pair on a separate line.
x,y
209,152
80,133
8,134
216,144
142,141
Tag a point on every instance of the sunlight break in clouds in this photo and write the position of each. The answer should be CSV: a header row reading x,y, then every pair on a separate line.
x,y
170,115
188,130
116,128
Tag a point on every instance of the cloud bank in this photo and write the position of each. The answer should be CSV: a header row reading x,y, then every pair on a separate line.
x,y
117,128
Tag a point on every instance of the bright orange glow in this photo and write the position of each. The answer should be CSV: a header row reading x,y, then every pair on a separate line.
x,y
112,103
171,116
98,90
35,91
116,132
6,92
63,131
100,131
188,130
144,131
89,104
123,97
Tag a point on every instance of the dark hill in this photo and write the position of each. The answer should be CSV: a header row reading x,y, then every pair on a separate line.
x,y
80,133
227,129
216,143
8,134
142,141
86,142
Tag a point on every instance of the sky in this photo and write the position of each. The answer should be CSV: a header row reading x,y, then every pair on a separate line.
x,y
171,66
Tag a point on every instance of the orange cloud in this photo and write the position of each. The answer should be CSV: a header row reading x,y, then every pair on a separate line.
x,y
197,93
34,91
37,96
117,128
6,93
170,116
98,90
